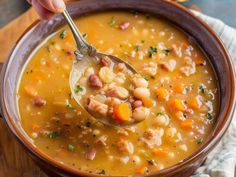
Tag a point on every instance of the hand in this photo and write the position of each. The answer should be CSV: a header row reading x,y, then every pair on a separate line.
x,y
47,8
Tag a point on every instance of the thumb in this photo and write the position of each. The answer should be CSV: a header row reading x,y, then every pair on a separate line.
x,y
55,6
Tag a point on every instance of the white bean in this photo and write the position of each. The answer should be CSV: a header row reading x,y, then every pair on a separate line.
x,y
141,113
106,74
141,93
140,82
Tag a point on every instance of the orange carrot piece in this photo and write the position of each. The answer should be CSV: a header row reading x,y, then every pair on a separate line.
x,y
194,103
31,91
35,127
162,94
148,102
179,88
187,124
176,105
122,112
185,44
160,152
141,170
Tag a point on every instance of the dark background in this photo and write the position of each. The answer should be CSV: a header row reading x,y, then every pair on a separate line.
x,y
223,9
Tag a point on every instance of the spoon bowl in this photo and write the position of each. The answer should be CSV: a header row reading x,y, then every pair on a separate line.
x,y
86,55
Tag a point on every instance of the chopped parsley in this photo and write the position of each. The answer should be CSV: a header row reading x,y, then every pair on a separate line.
x,y
102,172
137,48
199,141
209,116
166,51
63,34
53,134
152,77
202,88
151,162
49,48
112,22
152,51
78,89
68,105
160,114
146,78
88,124
85,35
70,147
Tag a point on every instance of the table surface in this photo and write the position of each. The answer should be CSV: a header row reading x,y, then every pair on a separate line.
x,y
223,9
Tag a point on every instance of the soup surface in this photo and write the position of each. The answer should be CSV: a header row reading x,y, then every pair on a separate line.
x,y
183,94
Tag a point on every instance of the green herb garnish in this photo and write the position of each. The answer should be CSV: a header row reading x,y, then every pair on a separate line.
x,y
112,22
53,134
85,35
53,43
152,51
199,140
137,48
49,48
166,51
152,77
78,89
68,105
151,162
202,88
63,34
102,172
209,116
160,114
70,147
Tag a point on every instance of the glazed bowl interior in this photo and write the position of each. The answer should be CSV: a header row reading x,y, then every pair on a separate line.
x,y
177,15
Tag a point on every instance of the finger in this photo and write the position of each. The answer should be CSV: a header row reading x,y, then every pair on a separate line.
x,y
55,6
42,12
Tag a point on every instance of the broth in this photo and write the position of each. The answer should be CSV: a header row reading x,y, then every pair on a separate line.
x,y
181,81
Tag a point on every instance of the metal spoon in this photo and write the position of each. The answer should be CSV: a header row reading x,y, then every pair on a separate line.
x,y
85,55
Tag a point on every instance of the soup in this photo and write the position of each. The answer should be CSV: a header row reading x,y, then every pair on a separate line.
x,y
183,94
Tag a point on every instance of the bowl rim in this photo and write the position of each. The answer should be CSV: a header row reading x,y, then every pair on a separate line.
x,y
205,148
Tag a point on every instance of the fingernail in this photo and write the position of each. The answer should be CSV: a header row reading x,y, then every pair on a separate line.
x,y
58,4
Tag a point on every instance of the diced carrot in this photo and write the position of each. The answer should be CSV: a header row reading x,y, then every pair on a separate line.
x,y
122,112
141,170
179,88
160,152
185,44
180,115
162,94
148,102
176,105
31,91
69,38
187,124
35,127
194,103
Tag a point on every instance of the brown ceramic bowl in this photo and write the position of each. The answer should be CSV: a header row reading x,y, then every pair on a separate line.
x,y
181,17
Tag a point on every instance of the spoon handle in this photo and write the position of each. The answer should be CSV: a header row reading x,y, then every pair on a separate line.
x,y
83,47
